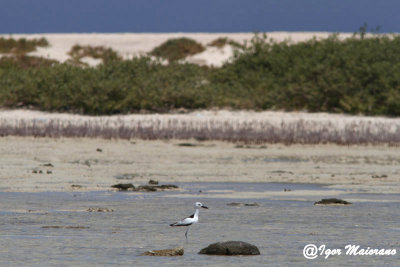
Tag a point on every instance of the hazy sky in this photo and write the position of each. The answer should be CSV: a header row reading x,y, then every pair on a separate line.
x,y
43,16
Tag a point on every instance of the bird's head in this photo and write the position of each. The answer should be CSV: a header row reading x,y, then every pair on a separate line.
x,y
198,204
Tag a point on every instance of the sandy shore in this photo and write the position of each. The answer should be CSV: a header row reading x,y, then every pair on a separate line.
x,y
45,164
129,45
223,125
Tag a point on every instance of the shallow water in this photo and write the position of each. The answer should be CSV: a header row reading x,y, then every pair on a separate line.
x,y
280,226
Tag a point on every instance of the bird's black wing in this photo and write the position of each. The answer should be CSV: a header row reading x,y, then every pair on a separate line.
x,y
184,222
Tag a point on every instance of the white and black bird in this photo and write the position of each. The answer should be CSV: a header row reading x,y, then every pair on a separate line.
x,y
194,218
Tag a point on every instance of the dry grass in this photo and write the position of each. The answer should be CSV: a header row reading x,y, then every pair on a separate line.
x,y
246,127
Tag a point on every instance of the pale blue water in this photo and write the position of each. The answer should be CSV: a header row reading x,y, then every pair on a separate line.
x,y
280,228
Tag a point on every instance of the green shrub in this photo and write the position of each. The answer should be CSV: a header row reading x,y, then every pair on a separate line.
x,y
351,76
20,46
355,75
78,52
117,87
176,49
23,61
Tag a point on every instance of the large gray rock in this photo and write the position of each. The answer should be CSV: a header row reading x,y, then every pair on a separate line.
x,y
230,248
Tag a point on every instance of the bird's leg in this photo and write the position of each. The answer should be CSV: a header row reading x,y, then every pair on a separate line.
x,y
186,233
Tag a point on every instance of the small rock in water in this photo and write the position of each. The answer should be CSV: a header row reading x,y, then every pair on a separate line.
x,y
379,176
187,144
165,252
125,176
124,187
252,204
332,201
48,165
243,204
230,248
64,227
99,150
153,181
99,210
76,186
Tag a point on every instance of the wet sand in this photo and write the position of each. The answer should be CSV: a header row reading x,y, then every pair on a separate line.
x,y
70,164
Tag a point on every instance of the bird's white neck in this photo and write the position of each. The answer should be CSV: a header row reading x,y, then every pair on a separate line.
x,y
196,214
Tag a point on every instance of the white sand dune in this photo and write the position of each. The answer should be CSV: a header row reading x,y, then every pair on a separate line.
x,y
129,45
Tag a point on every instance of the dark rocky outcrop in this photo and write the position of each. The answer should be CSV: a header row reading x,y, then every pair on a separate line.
x,y
332,201
124,187
165,252
230,248
144,188
153,188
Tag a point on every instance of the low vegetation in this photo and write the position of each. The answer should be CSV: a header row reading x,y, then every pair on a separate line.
x,y
25,62
223,41
20,46
176,49
15,53
78,52
359,75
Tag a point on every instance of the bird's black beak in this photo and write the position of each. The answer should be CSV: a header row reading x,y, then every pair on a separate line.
x,y
204,207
